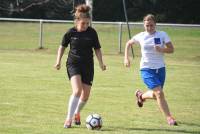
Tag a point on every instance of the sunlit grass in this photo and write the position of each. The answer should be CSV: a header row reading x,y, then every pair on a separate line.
x,y
34,96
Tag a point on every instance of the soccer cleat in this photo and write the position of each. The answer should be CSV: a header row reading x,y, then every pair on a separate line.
x,y
139,101
67,124
171,121
77,119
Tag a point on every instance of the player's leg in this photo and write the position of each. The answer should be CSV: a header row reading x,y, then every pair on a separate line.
x,y
148,78
141,97
154,79
74,98
84,97
162,103
148,95
82,101
87,73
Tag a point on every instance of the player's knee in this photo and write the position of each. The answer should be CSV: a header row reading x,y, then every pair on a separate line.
x,y
77,93
158,93
84,97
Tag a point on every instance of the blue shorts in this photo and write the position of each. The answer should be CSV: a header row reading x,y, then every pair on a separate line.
x,y
153,77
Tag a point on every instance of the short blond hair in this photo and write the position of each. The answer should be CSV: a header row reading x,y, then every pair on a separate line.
x,y
149,17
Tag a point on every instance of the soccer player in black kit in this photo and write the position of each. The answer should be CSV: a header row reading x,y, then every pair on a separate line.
x,y
80,65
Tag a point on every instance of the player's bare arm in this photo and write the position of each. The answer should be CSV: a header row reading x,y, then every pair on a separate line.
x,y
100,59
61,51
167,49
126,57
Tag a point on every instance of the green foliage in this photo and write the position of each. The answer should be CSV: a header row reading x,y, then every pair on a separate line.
x,y
108,10
170,11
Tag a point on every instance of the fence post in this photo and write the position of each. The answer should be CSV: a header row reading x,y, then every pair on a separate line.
x,y
41,35
120,37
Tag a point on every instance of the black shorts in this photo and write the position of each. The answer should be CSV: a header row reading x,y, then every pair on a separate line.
x,y
85,70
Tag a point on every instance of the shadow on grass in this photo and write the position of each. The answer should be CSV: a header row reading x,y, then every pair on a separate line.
x,y
190,124
152,130
166,130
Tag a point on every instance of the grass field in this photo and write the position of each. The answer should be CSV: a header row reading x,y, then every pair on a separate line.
x,y
34,96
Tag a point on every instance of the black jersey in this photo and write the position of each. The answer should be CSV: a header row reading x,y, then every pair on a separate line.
x,y
81,44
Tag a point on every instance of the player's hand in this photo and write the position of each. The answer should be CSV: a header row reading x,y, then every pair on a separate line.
x,y
103,67
127,62
57,66
158,48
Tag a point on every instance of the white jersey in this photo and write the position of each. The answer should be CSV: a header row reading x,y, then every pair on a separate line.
x,y
150,57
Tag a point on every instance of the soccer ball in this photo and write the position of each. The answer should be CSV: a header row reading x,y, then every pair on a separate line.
x,y
94,122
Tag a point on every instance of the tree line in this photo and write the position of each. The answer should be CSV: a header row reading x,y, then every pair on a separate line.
x,y
166,11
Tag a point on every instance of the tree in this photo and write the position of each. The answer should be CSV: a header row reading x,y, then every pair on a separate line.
x,y
108,10
170,11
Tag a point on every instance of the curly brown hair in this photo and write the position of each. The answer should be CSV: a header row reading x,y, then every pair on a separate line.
x,y
82,11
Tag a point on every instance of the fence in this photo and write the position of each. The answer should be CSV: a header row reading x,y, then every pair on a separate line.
x,y
115,30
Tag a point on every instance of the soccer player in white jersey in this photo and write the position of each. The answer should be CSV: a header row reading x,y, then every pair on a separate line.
x,y
153,46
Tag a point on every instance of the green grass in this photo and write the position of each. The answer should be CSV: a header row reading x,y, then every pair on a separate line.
x,y
34,96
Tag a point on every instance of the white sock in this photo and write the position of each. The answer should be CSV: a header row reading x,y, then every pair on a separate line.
x,y
80,106
73,102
